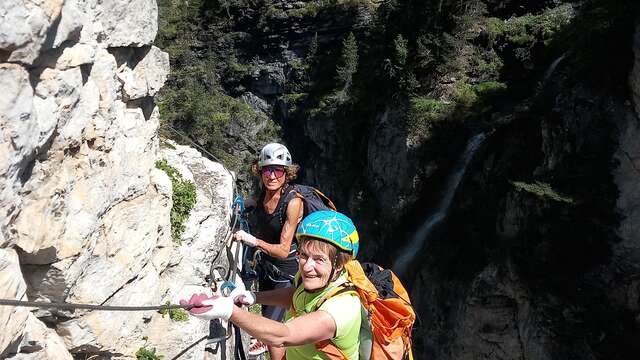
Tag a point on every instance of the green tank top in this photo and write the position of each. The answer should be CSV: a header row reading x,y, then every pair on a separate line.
x,y
344,308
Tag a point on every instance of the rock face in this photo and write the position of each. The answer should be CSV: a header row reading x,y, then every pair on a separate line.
x,y
634,78
12,286
542,277
84,213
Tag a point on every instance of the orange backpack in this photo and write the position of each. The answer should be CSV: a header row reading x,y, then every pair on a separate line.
x,y
391,316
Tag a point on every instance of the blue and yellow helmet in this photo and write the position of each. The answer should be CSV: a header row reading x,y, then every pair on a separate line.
x,y
332,227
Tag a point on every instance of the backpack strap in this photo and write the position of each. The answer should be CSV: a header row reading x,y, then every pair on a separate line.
x,y
341,289
325,199
289,192
330,350
327,347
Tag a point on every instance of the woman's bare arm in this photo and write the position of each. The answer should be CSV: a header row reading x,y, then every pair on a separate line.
x,y
306,329
281,250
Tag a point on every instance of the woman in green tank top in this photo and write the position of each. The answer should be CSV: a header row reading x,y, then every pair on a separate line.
x,y
327,241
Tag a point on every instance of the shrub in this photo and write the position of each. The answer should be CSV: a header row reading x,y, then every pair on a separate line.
x,y
489,88
424,113
348,64
526,29
430,109
175,314
464,95
148,354
292,101
184,198
542,190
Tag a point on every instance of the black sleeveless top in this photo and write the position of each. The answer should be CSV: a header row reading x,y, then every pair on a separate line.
x,y
268,227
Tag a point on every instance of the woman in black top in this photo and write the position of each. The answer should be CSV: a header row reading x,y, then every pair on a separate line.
x,y
277,217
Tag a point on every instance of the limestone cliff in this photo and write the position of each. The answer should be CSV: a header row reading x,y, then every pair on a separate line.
x,y
84,212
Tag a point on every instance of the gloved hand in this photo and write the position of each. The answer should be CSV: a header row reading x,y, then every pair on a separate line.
x,y
246,238
242,297
215,307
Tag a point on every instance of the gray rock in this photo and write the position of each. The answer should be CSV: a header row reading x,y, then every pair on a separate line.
x,y
80,195
268,79
30,28
256,103
147,76
40,342
120,23
12,286
634,76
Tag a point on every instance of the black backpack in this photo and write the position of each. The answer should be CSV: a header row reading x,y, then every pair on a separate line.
x,y
312,198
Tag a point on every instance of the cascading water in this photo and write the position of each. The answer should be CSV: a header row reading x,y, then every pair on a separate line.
x,y
552,68
411,250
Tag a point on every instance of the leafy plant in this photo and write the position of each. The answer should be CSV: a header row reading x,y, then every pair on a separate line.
x,y
148,354
184,199
174,314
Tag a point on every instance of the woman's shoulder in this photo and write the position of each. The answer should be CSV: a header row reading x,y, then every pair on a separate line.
x,y
344,302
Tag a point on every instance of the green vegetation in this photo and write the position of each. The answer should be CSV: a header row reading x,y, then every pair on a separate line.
x,y
467,96
348,64
430,110
489,88
542,190
148,354
309,9
184,198
525,30
293,101
174,314
256,309
196,98
424,114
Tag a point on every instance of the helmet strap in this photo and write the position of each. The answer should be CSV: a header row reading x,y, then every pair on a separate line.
x,y
334,263
333,272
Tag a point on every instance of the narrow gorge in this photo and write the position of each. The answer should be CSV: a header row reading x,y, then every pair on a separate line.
x,y
487,151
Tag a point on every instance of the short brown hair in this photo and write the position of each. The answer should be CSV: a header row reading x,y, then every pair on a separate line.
x,y
292,170
307,242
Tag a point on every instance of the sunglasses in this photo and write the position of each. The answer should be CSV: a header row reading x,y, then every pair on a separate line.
x,y
277,171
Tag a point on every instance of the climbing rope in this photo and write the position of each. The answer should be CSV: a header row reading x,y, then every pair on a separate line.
x,y
228,285
240,220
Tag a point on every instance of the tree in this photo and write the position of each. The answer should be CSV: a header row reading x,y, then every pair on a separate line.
x,y
312,52
348,64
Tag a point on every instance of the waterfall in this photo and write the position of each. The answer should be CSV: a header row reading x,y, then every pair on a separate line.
x,y
552,68
409,252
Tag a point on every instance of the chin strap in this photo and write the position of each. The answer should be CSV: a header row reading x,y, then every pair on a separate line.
x,y
333,271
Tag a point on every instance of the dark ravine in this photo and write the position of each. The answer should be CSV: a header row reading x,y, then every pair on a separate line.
x,y
519,274
408,254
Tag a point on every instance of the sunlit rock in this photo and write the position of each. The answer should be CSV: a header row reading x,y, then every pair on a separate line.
x,y
12,286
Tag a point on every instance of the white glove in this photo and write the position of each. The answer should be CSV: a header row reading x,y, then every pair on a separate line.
x,y
246,238
242,297
215,307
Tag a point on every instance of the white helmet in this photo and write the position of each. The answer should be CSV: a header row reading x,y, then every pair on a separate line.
x,y
274,154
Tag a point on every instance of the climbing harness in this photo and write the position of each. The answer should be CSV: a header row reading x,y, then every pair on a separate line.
x,y
217,334
229,285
